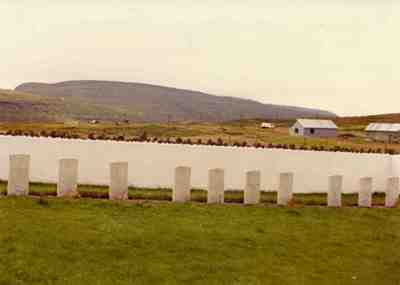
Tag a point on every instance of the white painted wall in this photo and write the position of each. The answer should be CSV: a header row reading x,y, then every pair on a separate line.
x,y
396,165
299,127
152,165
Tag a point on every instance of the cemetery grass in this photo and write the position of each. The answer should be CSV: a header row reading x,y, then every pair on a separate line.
x,y
197,195
89,241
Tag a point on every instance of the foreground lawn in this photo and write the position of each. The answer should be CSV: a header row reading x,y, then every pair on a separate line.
x,y
86,241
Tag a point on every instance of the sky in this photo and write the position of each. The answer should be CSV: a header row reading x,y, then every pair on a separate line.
x,y
338,55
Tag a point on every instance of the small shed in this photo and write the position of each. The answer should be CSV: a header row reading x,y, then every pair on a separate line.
x,y
383,132
314,128
266,125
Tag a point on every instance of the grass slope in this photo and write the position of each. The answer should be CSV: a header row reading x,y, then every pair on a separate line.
x,y
16,106
151,103
102,242
365,120
24,107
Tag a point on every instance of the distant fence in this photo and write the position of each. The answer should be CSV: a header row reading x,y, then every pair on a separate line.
x,y
152,165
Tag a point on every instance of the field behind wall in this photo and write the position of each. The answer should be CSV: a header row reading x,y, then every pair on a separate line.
x,y
351,133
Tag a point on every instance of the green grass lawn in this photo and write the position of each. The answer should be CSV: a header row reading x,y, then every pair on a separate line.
x,y
89,241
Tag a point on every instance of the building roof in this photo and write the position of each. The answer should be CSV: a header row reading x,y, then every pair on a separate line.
x,y
317,124
383,127
266,124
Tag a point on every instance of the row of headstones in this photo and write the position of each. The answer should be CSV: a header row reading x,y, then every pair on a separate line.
x,y
18,184
285,189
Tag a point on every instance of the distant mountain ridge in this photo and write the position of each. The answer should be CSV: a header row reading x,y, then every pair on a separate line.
x,y
112,101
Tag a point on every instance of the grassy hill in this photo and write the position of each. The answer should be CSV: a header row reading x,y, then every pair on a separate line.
x,y
117,101
18,106
24,107
362,121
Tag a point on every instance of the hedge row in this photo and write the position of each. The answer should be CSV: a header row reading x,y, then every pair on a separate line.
x,y
188,141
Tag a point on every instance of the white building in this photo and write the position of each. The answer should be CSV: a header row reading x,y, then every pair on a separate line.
x,y
266,125
314,128
384,132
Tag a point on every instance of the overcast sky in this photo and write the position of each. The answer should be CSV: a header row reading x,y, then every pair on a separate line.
x,y
340,55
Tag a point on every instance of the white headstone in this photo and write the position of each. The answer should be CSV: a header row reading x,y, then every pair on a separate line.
x,y
252,188
216,186
392,191
18,179
118,181
285,191
181,191
335,191
67,178
365,194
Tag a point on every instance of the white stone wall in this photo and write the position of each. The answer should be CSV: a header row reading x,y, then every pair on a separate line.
x,y
152,165
396,165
